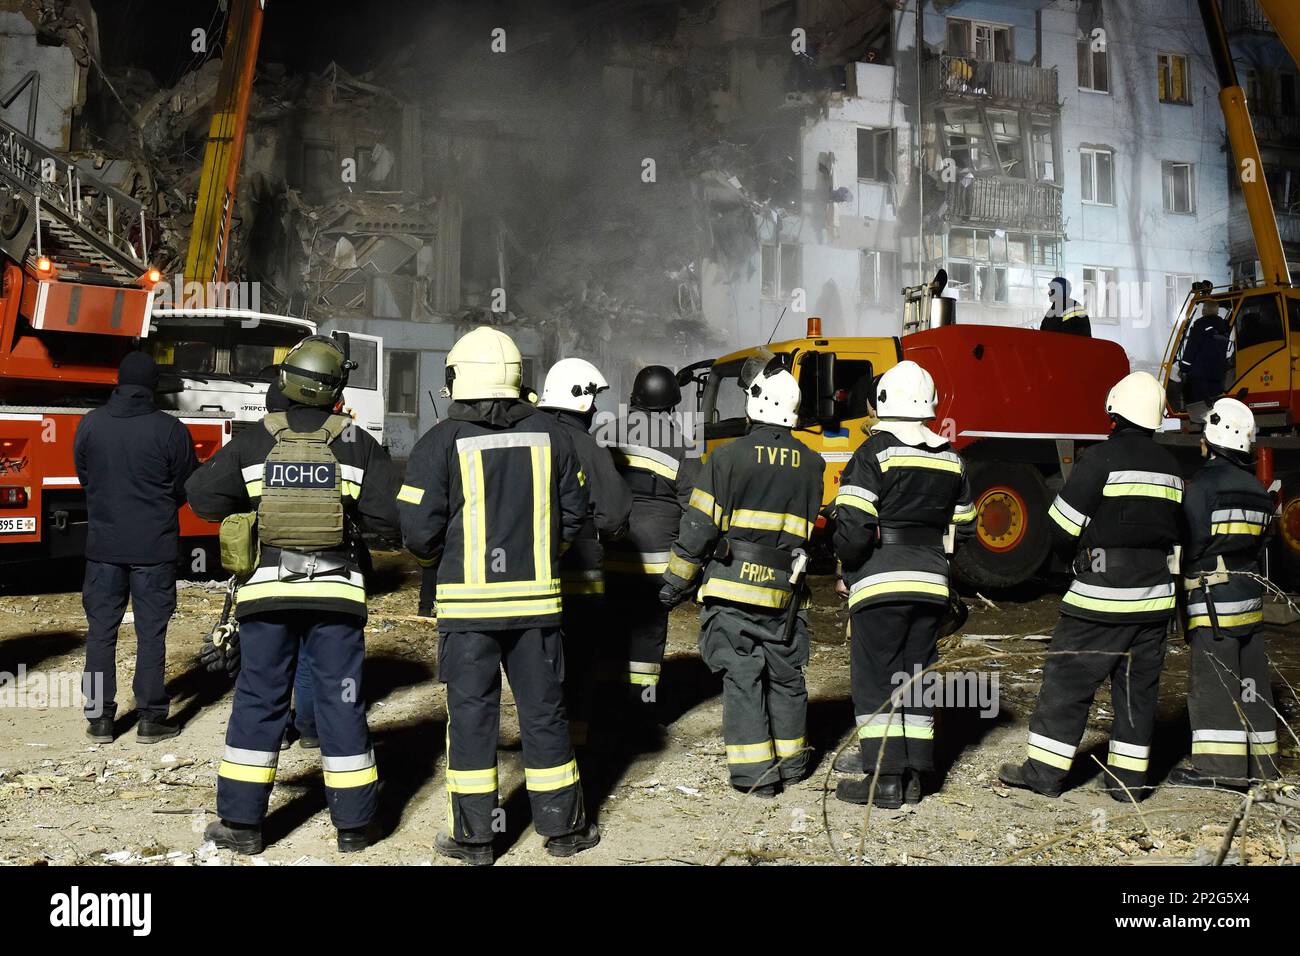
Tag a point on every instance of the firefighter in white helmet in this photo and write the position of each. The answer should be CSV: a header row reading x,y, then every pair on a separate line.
x,y
898,496
570,393
491,494
1230,700
741,542
1116,521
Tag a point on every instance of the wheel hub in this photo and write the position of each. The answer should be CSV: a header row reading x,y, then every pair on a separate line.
x,y
1001,519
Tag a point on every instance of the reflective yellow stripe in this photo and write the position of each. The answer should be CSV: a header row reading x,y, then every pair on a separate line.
x,y
1141,489
1071,528
300,589
472,781
551,778
253,488
682,567
897,587
771,521
916,461
637,567
1226,620
343,779
1269,748
872,731
493,609
917,732
541,511
349,489
704,502
749,753
1049,758
636,677
788,748
1127,763
1117,606
411,495
1236,527
1215,747
582,478
245,773
853,501
745,593
586,586
497,589
963,515
648,464
473,516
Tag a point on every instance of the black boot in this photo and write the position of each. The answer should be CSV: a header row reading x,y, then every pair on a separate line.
x,y
100,730
475,854
764,791
355,839
913,787
309,743
1191,777
850,760
574,843
151,731
235,836
888,795
1013,775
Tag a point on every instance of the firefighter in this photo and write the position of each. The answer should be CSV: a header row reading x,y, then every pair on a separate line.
x,y
315,481
1065,314
570,393
132,459
749,517
898,496
1204,358
652,457
1230,700
492,494
1116,522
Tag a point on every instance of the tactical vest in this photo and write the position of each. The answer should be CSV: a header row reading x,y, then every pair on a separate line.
x,y
301,507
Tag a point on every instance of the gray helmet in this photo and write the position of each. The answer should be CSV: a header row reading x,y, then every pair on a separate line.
x,y
315,371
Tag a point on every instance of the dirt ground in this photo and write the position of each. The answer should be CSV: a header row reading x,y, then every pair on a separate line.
x,y
64,800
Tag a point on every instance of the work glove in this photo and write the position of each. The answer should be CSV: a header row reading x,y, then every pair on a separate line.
x,y
216,659
670,596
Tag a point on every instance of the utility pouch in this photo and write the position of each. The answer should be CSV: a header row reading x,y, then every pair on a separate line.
x,y
239,545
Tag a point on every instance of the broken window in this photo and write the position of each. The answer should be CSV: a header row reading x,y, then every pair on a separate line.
x,y
1097,176
876,155
1043,137
403,382
877,276
780,269
984,277
990,42
1094,71
967,140
1179,187
1047,252
1172,77
1005,126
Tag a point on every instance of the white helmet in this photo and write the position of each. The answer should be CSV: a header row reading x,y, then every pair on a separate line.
x,y
906,393
484,363
1139,398
773,397
1230,425
572,384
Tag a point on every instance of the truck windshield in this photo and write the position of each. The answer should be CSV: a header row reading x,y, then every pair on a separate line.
x,y
222,348
723,399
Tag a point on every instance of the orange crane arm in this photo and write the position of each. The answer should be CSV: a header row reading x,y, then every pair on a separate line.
x,y
1241,134
214,207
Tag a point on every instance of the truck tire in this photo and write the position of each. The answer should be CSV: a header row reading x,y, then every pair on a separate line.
x,y
1284,549
1012,537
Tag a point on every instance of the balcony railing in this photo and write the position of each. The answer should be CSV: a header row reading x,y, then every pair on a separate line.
x,y
1245,16
956,77
1005,204
1241,240
1277,130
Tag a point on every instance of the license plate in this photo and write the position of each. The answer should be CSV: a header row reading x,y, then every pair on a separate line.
x,y
18,525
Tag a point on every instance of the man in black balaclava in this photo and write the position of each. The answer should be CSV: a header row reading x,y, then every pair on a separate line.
x,y
132,460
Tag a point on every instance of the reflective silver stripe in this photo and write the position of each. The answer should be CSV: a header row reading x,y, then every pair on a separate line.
x,y
1122,594
1071,512
1264,737
1144,478
253,472
875,720
507,440
352,473
252,758
1221,736
344,764
1129,750
1050,745
859,491
884,577
641,451
910,452
1227,607
1239,514
917,720
642,667
272,573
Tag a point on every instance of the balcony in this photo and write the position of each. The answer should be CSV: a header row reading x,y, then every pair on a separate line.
x,y
1005,204
1274,130
955,78
1241,240
1245,16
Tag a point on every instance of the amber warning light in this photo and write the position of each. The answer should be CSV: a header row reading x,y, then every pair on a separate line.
x,y
814,327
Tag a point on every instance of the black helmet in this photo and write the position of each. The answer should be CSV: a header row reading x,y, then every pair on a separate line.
x,y
656,389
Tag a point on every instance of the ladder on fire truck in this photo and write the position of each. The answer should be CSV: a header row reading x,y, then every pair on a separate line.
x,y
71,216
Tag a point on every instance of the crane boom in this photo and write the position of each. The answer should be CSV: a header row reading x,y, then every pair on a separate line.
x,y
214,207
